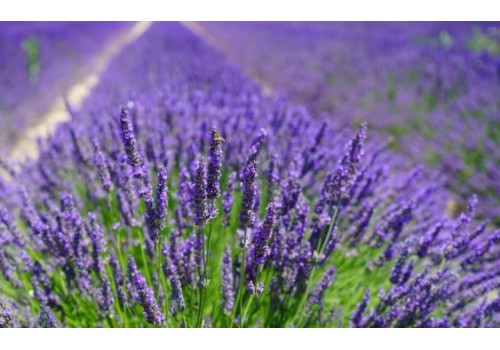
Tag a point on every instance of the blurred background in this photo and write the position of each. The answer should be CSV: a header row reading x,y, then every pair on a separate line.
x,y
431,88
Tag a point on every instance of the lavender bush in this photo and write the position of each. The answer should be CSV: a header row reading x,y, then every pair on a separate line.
x,y
180,196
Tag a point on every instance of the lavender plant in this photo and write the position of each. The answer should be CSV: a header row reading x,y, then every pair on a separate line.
x,y
180,196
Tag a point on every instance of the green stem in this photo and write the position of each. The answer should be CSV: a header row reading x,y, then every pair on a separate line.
x,y
206,257
242,277
252,297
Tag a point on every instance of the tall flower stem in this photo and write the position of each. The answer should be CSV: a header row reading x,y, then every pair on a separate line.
x,y
205,282
241,287
253,297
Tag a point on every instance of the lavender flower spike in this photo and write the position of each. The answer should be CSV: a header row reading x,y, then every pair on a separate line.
x,y
101,163
5,317
130,143
228,199
261,239
227,282
200,195
317,295
146,296
247,214
170,271
214,165
357,320
346,170
161,198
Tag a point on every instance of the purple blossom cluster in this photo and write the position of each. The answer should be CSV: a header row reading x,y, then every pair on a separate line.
x,y
135,209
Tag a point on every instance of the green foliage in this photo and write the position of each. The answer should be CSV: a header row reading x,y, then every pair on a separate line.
x,y
31,48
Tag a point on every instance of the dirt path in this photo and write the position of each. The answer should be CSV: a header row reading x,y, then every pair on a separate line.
x,y
43,126
198,30
26,146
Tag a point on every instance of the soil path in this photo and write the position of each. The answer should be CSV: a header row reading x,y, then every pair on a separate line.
x,y
26,146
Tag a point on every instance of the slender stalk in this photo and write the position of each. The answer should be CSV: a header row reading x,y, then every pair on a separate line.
x,y
252,300
206,256
242,277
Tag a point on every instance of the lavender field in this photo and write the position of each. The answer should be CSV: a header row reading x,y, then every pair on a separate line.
x,y
231,174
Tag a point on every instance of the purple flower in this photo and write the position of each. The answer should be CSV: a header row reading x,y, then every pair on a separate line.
x,y
316,296
214,165
199,194
228,199
134,158
337,186
261,238
249,189
152,312
5,316
227,281
255,290
46,318
357,319
169,269
101,163
98,243
161,198
272,176
399,271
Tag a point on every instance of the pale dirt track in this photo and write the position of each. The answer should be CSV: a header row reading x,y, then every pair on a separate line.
x,y
26,146
76,94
